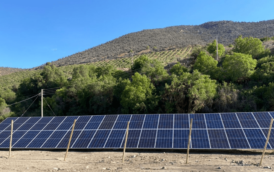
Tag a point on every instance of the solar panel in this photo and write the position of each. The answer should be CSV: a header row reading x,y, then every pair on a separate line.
x,y
244,130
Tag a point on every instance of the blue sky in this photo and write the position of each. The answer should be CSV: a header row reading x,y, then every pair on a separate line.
x,y
33,32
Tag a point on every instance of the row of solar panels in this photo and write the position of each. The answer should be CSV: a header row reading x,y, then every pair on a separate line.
x,y
165,131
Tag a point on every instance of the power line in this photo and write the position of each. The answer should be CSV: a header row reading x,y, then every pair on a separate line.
x,y
50,108
29,106
23,100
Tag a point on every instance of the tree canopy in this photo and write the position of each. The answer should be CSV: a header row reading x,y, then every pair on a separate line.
x,y
249,45
238,67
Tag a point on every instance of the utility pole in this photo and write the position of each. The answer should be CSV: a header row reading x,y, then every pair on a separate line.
x,y
41,102
217,47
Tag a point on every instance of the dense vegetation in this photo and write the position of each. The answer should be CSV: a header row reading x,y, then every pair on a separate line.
x,y
240,80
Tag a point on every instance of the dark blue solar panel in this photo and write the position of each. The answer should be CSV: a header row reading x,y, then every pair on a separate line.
x,y
151,121
3,126
133,138
230,120
115,139
108,122
237,138
263,119
65,140
198,120
247,120
157,131
67,123
84,139
164,139
81,122
136,121
180,138
218,139
271,138
15,137
25,126
272,114
40,139
33,120
181,121
8,120
99,139
255,138
54,123
25,140
41,124
166,121
4,134
21,120
213,121
122,121
147,139
54,139
199,139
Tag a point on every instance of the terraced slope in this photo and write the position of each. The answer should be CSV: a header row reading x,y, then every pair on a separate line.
x,y
166,57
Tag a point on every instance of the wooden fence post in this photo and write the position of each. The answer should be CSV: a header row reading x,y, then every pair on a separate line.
x,y
125,145
70,139
189,138
268,135
11,131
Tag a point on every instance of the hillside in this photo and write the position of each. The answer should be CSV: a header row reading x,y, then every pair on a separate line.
x,y
154,40
8,70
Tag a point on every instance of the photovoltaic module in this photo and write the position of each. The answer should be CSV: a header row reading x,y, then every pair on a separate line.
x,y
245,130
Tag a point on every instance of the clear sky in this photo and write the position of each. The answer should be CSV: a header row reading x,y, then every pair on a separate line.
x,y
33,32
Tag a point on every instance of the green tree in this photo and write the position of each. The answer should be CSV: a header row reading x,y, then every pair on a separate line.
x,y
212,49
206,65
238,67
3,105
249,45
139,63
178,69
189,93
137,96
154,70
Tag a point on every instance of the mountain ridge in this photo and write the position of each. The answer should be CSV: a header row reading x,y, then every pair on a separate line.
x,y
170,37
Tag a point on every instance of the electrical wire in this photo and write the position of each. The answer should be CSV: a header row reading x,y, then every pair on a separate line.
x,y
23,100
29,106
50,107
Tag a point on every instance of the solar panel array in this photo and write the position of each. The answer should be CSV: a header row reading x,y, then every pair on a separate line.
x,y
153,131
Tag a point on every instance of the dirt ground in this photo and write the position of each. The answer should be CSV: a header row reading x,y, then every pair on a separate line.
x,y
79,161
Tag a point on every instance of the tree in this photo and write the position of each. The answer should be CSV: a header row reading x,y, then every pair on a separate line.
x,y
238,67
3,105
212,49
154,70
249,45
137,96
189,93
139,63
178,69
206,65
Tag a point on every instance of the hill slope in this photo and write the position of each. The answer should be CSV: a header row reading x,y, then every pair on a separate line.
x,y
168,38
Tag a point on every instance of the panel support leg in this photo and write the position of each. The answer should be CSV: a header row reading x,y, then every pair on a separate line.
x,y
125,145
189,138
11,131
268,135
70,139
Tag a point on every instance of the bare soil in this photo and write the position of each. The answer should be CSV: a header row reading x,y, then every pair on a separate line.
x,y
79,161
